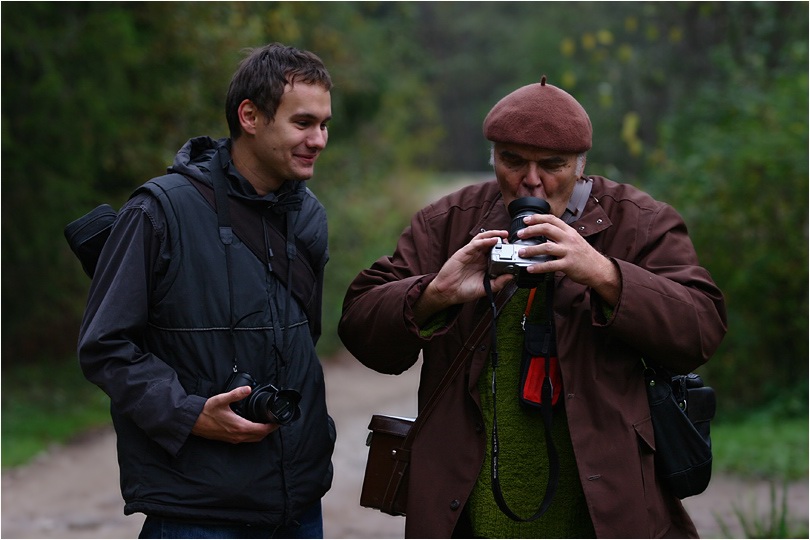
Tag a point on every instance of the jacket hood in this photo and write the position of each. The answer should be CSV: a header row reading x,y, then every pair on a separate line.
x,y
198,157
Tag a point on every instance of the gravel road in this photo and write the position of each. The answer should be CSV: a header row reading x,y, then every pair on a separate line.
x,y
72,491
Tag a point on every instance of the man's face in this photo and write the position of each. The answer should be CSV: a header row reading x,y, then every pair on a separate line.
x,y
528,171
287,147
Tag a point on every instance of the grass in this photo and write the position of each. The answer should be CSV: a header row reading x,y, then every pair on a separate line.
x,y
762,446
776,523
45,404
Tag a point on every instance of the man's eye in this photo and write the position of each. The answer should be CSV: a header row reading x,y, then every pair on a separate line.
x,y
514,161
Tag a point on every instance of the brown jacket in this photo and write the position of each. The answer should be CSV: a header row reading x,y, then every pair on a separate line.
x,y
670,311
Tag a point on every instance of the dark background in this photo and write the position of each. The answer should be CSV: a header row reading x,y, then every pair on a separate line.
x,y
704,105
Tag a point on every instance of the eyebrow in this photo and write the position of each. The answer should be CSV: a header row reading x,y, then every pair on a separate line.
x,y
545,161
508,154
309,116
553,160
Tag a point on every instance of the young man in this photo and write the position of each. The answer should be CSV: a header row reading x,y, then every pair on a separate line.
x,y
616,280
211,272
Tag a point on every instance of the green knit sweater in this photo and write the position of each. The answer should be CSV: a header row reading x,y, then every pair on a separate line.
x,y
523,460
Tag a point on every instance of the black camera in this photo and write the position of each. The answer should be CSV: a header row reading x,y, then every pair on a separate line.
x,y
504,258
266,404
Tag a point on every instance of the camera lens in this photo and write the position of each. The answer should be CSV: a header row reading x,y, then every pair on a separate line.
x,y
519,209
260,405
283,409
269,405
285,406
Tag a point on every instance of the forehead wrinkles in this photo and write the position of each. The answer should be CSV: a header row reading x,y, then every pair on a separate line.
x,y
532,153
542,159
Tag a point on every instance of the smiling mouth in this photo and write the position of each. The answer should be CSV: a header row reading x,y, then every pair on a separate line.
x,y
307,158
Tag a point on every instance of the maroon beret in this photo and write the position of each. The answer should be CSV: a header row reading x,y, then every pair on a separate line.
x,y
540,115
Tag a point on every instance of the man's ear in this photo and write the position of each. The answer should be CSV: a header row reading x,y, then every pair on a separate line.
x,y
248,115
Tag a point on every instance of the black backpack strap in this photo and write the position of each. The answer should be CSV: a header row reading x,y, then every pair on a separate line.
x,y
247,224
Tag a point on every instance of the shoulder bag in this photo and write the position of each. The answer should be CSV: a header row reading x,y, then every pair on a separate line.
x,y
681,407
385,483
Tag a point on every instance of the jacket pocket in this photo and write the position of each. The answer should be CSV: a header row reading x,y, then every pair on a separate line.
x,y
646,453
659,520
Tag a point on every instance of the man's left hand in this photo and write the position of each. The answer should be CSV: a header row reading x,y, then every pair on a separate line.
x,y
572,255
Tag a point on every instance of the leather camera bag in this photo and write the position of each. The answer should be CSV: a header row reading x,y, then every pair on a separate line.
x,y
385,483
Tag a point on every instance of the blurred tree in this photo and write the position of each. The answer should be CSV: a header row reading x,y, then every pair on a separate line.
x,y
99,96
481,51
704,104
96,96
735,159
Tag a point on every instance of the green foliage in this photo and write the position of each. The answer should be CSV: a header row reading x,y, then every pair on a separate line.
x,y
102,95
702,104
763,446
705,106
735,160
92,102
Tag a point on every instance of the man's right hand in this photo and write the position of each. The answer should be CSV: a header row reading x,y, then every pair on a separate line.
x,y
217,420
461,278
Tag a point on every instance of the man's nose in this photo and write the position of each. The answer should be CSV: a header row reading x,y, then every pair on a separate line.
x,y
532,178
318,138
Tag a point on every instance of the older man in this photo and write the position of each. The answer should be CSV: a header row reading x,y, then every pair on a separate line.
x,y
606,276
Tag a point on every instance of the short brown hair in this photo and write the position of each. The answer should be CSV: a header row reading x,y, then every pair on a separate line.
x,y
263,75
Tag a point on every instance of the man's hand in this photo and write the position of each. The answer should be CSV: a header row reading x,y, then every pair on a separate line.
x,y
217,420
461,279
573,256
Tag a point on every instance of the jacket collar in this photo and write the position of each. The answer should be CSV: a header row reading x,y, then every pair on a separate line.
x,y
593,219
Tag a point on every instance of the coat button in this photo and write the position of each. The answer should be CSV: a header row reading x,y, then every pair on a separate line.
x,y
455,504
479,427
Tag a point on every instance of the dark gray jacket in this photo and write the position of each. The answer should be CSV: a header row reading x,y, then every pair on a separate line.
x,y
156,337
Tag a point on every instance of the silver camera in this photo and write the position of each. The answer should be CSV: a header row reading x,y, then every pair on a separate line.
x,y
504,258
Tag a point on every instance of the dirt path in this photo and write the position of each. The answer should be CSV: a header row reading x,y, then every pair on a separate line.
x,y
72,491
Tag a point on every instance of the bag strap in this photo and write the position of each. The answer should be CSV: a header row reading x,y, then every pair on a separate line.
x,y
402,455
463,355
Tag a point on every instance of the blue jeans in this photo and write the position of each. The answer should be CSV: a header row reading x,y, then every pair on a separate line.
x,y
309,525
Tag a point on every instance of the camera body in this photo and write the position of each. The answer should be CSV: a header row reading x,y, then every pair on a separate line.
x,y
504,258
266,404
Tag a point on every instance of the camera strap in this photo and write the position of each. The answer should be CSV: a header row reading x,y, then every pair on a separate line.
x,y
546,413
579,197
539,354
226,236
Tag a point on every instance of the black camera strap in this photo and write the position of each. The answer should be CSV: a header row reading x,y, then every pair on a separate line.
x,y
226,236
546,412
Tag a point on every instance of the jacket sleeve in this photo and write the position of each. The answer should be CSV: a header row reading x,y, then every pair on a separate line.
x,y
670,309
377,325
111,351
